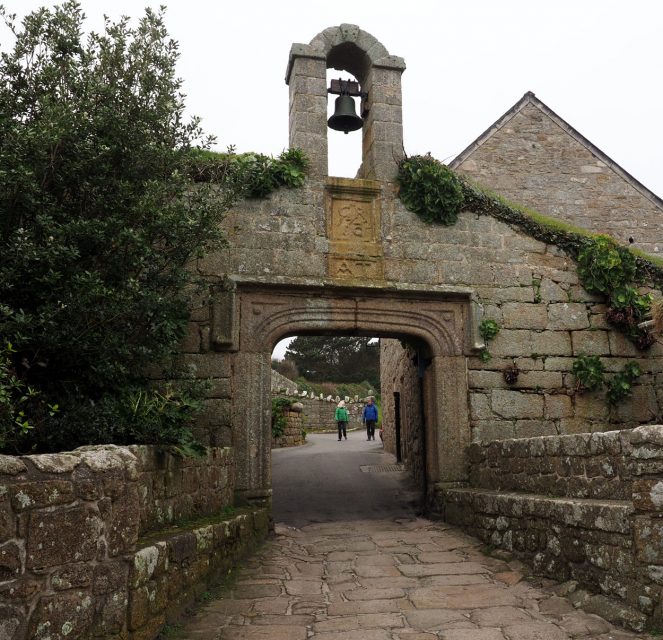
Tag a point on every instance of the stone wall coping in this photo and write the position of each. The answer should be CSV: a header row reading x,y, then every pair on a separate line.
x,y
311,285
608,515
638,435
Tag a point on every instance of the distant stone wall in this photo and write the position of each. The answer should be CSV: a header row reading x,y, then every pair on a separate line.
x,y
587,507
318,410
74,560
319,413
281,384
293,435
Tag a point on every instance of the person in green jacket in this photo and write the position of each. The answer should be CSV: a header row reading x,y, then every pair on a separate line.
x,y
342,416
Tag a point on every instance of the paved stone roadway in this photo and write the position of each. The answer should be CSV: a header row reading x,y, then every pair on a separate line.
x,y
408,579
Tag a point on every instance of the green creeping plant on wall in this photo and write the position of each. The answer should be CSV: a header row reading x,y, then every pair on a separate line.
x,y
437,194
430,189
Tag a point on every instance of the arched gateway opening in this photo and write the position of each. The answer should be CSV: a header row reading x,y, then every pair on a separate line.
x,y
434,322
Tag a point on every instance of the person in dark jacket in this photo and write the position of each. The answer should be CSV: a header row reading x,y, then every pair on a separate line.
x,y
370,417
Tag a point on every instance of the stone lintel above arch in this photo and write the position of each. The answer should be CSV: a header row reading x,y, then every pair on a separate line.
x,y
440,321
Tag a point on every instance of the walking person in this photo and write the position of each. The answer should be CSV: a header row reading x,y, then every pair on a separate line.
x,y
342,418
370,417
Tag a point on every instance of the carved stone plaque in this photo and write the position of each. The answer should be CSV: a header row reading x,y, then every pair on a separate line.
x,y
353,229
345,267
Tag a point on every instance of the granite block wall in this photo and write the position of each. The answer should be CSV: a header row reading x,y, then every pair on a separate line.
x,y
85,549
587,507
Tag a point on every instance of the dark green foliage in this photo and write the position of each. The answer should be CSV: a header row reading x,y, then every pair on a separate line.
x,y
98,220
488,329
279,421
604,266
336,358
621,384
260,174
21,406
286,368
430,189
589,372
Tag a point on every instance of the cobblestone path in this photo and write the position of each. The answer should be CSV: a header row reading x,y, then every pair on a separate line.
x,y
409,579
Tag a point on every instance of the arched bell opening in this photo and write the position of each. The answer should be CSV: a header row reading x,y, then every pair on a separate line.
x,y
345,149
348,49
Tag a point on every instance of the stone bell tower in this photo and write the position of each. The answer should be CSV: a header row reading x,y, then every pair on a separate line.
x,y
347,48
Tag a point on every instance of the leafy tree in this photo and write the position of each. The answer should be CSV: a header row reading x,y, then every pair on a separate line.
x,y
336,358
98,221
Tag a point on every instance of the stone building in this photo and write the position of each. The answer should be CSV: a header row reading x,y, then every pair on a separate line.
x,y
344,256
533,157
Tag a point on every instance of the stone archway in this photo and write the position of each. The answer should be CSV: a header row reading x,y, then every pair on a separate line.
x,y
437,320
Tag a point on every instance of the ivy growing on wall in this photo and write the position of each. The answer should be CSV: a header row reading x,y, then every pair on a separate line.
x,y
435,193
430,189
279,421
488,329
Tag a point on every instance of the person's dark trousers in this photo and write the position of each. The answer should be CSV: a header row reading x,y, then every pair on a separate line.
x,y
342,429
370,429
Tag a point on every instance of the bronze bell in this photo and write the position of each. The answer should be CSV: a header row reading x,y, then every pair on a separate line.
x,y
344,118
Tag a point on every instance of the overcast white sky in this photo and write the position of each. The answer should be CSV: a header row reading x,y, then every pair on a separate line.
x,y
597,63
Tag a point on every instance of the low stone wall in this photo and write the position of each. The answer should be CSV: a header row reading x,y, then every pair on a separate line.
x,y
576,466
73,562
319,414
293,434
539,498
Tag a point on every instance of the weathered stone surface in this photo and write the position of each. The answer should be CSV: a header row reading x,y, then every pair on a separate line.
x,y
59,537
55,462
524,316
567,315
648,494
33,495
72,576
592,343
534,631
12,622
513,404
461,597
648,540
558,406
11,466
10,561
110,577
647,434
66,615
